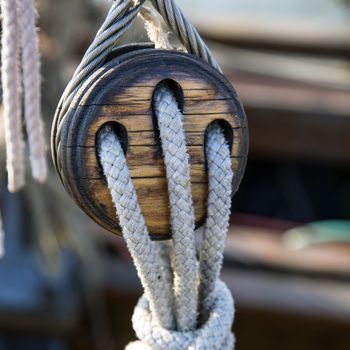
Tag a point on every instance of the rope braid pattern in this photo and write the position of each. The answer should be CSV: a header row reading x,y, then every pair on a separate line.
x,y
135,232
216,304
218,215
10,74
177,165
31,85
20,75
184,305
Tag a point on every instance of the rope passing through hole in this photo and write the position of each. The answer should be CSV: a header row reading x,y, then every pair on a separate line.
x,y
166,317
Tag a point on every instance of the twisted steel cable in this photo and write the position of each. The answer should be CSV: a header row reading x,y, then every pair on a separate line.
x,y
118,21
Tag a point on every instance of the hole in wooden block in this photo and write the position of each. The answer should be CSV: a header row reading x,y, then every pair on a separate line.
x,y
226,128
176,89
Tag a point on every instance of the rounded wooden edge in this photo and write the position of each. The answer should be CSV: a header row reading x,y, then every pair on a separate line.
x,y
118,53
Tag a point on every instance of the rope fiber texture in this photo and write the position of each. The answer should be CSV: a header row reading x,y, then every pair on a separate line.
x,y
20,74
182,331
20,77
177,167
184,306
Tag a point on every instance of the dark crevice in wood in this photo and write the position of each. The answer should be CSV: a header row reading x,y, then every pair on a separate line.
x,y
138,178
147,100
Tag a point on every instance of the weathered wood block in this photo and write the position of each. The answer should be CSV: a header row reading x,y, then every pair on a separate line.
x,y
121,93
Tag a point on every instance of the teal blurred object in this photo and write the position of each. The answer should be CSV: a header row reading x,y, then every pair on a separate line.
x,y
330,231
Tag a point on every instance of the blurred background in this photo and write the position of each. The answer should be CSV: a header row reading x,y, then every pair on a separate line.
x,y
67,284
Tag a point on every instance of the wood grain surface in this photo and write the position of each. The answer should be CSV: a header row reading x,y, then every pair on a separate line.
x,y
121,93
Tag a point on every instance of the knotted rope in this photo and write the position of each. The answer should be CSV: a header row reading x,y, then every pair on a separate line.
x,y
20,75
184,306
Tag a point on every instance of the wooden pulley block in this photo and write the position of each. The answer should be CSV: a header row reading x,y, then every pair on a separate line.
x,y
121,93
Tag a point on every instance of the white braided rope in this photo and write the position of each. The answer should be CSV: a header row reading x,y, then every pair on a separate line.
x,y
20,65
177,166
216,303
11,101
31,85
215,334
144,253
165,318
11,95
218,215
